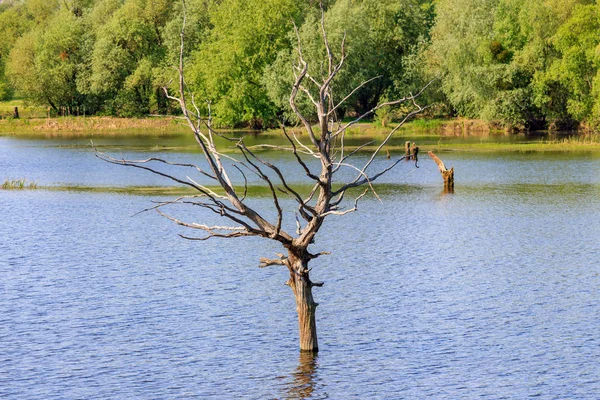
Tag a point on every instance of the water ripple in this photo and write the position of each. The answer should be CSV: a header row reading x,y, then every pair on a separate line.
x,y
488,293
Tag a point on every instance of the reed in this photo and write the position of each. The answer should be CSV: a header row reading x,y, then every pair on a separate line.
x,y
18,184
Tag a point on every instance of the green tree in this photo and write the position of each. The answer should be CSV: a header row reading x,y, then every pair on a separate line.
x,y
41,10
527,29
13,23
59,58
245,37
21,68
398,30
493,56
44,63
126,51
46,43
460,54
197,28
381,38
576,69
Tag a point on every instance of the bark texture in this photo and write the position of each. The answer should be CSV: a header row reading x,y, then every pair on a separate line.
x,y
305,305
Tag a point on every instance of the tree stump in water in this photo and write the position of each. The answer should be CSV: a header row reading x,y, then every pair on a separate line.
x,y
411,152
407,150
414,150
447,174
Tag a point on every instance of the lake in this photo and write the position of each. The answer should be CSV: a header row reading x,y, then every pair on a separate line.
x,y
489,292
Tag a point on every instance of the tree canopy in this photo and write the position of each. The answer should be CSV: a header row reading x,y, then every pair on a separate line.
x,y
525,64
521,63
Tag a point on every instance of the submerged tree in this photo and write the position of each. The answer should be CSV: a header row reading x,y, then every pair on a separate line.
x,y
326,198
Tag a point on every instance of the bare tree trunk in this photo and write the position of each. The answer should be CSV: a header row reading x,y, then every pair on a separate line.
x,y
305,305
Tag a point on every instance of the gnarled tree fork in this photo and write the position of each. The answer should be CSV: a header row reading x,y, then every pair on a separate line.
x,y
326,198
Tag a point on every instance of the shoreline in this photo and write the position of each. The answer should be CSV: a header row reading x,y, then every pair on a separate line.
x,y
90,125
85,126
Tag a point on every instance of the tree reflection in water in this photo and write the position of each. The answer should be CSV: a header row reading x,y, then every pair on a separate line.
x,y
304,379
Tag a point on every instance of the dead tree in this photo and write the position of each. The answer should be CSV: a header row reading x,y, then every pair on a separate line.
x,y
324,200
447,174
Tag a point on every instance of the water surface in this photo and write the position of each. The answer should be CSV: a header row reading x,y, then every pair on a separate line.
x,y
490,292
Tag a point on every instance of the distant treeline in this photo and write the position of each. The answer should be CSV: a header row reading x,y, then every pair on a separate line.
x,y
522,63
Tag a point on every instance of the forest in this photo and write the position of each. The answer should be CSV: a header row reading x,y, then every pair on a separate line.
x,y
531,65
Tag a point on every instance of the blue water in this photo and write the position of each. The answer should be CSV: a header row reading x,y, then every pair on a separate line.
x,y
490,292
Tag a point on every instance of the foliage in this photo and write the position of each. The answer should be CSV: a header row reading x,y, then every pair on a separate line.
x,y
127,49
57,60
460,54
13,24
576,70
227,69
45,62
497,59
380,39
518,63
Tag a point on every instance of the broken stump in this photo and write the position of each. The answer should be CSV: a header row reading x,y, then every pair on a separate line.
x,y
447,174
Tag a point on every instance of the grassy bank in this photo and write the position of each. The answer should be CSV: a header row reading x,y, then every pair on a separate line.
x,y
429,126
90,126
35,121
436,134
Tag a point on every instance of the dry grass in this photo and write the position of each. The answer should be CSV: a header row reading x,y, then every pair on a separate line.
x,y
89,126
